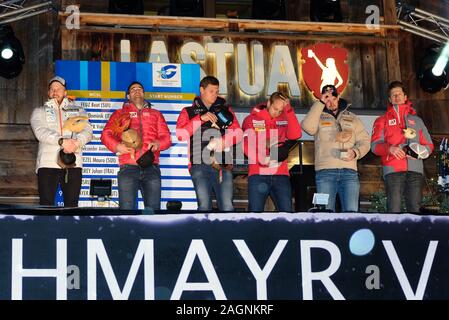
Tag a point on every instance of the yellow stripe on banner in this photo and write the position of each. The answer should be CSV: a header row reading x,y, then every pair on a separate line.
x,y
105,76
169,96
96,94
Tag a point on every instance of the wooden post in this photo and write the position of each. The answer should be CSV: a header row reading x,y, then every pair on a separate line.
x,y
393,62
389,11
394,72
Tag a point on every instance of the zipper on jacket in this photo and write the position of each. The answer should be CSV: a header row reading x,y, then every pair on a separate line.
x,y
60,120
140,130
397,112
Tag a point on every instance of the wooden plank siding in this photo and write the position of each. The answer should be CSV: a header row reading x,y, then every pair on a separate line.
x,y
366,55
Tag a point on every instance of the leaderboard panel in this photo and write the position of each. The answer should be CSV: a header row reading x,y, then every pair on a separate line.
x,y
100,88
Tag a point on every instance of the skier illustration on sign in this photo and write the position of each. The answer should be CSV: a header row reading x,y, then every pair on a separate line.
x,y
330,71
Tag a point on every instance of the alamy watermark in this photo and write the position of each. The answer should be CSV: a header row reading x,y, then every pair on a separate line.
x,y
373,20
73,19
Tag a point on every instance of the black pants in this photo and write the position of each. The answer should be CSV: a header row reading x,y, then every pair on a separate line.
x,y
406,184
48,180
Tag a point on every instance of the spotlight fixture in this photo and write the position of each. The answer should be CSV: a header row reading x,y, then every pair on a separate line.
x,y
101,188
431,81
442,61
11,53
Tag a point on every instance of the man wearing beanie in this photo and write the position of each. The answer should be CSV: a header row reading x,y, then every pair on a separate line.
x,y
340,140
48,124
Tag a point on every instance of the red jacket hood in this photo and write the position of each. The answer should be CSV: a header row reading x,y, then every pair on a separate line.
x,y
129,106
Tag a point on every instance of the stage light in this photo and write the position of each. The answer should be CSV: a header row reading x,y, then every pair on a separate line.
x,y
126,7
325,11
101,188
7,53
187,8
269,10
428,81
441,63
11,53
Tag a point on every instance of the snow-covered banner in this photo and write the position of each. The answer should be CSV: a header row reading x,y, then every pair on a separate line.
x,y
224,256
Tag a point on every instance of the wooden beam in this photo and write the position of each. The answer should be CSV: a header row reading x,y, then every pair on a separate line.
x,y
222,24
393,61
16,132
314,27
389,12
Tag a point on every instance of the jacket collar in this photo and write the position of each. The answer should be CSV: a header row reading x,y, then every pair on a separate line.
x,y
130,105
401,110
261,111
197,102
65,104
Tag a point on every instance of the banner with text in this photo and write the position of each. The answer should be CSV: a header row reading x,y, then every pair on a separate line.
x,y
100,88
225,256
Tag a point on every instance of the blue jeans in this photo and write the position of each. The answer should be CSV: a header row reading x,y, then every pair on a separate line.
x,y
406,184
207,180
132,178
277,186
345,182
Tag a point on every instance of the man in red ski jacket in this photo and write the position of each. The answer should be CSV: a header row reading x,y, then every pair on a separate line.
x,y
137,133
270,131
395,135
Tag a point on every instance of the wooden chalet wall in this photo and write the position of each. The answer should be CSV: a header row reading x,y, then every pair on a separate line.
x,y
39,38
375,60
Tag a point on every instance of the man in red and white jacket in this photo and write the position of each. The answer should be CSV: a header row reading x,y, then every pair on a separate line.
x,y
270,131
152,131
393,134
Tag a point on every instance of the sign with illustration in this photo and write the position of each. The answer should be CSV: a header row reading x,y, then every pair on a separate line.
x,y
325,64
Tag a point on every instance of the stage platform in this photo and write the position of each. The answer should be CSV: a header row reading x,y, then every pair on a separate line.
x,y
85,253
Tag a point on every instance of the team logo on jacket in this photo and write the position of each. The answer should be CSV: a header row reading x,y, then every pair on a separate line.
x,y
324,64
50,115
259,125
392,122
411,122
71,114
281,123
133,114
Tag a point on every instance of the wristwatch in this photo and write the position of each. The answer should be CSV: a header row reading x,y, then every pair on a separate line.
x,y
61,141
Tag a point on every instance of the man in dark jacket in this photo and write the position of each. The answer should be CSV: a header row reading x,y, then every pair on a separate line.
x,y
211,128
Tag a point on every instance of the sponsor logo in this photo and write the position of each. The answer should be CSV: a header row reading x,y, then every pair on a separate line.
x,y
166,75
324,64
